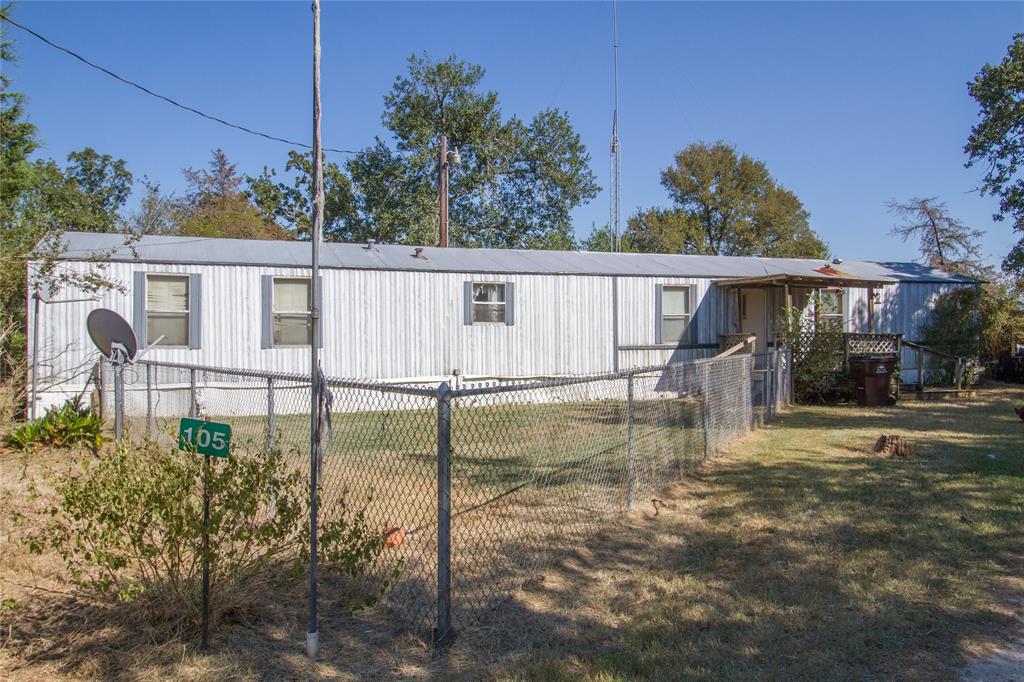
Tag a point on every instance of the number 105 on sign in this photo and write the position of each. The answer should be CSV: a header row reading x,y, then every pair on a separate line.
x,y
205,438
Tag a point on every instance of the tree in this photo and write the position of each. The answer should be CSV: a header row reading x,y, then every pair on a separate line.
x,y
39,202
290,206
989,318
997,140
944,241
515,186
158,213
216,206
102,185
600,239
739,208
725,204
17,138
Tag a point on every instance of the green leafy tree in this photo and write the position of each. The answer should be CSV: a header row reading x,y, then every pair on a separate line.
x,y
944,241
600,239
158,213
997,140
216,206
515,186
989,318
39,202
103,185
726,204
290,205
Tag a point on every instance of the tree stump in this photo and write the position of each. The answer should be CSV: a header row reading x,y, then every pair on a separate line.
x,y
892,446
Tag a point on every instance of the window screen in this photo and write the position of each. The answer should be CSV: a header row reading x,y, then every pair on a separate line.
x,y
675,313
292,304
489,302
167,310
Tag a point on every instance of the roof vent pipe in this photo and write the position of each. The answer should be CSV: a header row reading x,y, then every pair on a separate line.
x,y
837,261
369,244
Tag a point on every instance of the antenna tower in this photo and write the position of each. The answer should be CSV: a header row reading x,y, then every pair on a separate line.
x,y
613,156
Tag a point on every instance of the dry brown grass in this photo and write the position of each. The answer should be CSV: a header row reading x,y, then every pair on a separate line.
x,y
798,555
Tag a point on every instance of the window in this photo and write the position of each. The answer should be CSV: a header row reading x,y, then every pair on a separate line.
x,y
292,305
167,309
674,312
489,302
830,307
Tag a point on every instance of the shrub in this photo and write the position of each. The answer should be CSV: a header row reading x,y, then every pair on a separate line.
x,y
819,372
131,524
64,426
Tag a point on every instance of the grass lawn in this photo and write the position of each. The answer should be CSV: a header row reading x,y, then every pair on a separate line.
x,y
798,554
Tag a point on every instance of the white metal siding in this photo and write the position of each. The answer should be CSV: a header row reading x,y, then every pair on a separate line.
x,y
399,324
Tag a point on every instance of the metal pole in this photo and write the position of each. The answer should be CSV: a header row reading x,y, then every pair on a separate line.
x,y
33,409
920,369
443,632
705,413
630,460
205,637
270,414
312,633
118,400
150,417
193,408
442,191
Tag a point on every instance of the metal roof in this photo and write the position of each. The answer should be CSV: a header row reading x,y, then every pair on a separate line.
x,y
216,251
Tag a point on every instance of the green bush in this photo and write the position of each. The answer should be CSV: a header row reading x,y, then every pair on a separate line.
x,y
819,371
64,426
131,524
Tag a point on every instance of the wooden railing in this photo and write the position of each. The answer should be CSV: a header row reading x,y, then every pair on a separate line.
x,y
727,341
745,341
921,351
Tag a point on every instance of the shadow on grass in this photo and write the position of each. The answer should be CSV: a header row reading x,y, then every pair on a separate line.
x,y
807,559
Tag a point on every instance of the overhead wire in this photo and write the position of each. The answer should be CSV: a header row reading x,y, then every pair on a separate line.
x,y
169,100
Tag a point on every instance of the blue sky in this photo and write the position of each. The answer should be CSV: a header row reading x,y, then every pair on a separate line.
x,y
849,104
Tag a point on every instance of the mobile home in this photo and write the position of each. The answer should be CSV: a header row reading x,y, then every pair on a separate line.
x,y
396,312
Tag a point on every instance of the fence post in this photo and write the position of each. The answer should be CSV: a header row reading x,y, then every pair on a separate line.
x,y
118,402
97,373
270,414
771,384
959,372
443,632
705,412
630,457
150,416
920,369
193,409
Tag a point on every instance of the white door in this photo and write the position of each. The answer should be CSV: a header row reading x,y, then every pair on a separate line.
x,y
753,315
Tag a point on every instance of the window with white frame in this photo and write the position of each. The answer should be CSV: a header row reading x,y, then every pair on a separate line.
x,y
675,313
292,305
489,304
167,309
830,307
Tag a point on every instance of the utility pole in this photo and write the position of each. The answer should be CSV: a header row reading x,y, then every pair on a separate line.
x,y
312,634
442,190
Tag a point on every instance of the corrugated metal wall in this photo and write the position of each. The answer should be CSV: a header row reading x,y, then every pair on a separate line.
x,y
397,324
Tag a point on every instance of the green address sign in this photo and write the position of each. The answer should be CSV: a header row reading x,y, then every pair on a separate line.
x,y
205,438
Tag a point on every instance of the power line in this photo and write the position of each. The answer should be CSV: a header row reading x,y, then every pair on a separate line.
x,y
146,90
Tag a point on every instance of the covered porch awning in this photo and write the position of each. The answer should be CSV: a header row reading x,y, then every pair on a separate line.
x,y
826,276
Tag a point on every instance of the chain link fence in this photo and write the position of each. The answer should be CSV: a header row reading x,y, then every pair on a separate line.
x,y
474,486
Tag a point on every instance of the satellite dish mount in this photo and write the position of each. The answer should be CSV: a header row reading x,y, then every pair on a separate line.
x,y
116,340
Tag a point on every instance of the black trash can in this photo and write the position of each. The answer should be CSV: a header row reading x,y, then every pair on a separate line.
x,y
872,375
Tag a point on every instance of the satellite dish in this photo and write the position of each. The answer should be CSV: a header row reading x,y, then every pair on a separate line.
x,y
112,334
